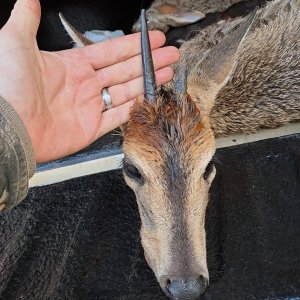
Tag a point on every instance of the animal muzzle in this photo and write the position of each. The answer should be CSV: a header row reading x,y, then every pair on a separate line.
x,y
188,288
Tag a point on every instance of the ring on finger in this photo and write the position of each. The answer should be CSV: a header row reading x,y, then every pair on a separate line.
x,y
106,99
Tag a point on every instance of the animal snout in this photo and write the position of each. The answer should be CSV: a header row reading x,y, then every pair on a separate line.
x,y
189,288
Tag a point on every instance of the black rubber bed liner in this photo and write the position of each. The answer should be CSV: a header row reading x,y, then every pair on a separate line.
x,y
79,239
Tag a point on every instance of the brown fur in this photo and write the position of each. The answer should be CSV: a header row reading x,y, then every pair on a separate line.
x,y
263,89
172,121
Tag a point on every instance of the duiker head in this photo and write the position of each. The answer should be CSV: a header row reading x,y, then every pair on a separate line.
x,y
168,147
168,150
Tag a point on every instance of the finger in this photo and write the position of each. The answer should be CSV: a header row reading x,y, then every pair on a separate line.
x,y
132,68
25,17
107,53
114,118
122,93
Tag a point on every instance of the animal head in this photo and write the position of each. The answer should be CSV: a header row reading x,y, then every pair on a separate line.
x,y
168,147
168,150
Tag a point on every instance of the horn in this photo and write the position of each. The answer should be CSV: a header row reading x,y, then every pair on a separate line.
x,y
148,69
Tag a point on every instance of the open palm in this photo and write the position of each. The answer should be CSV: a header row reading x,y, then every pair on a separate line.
x,y
58,94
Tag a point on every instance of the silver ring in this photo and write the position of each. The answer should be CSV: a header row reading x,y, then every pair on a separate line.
x,y
106,99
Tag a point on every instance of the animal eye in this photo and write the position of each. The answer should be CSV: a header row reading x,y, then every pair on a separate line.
x,y
208,170
132,172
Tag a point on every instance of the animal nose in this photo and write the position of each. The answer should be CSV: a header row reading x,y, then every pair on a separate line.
x,y
183,288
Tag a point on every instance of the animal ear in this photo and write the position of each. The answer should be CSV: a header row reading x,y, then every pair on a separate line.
x,y
220,62
79,39
180,16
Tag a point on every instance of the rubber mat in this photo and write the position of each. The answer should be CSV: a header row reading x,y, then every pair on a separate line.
x,y
80,239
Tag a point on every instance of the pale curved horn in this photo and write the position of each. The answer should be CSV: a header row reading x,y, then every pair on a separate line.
x,y
148,69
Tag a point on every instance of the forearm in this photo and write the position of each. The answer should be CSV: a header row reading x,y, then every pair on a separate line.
x,y
17,161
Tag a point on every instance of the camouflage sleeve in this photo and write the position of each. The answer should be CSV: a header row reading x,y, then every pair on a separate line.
x,y
17,161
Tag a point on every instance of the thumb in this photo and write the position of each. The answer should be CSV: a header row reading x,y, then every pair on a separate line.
x,y
25,17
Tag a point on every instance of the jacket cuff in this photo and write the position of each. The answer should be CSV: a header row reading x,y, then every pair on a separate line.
x,y
17,161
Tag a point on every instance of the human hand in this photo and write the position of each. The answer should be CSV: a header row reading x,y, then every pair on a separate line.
x,y
57,94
